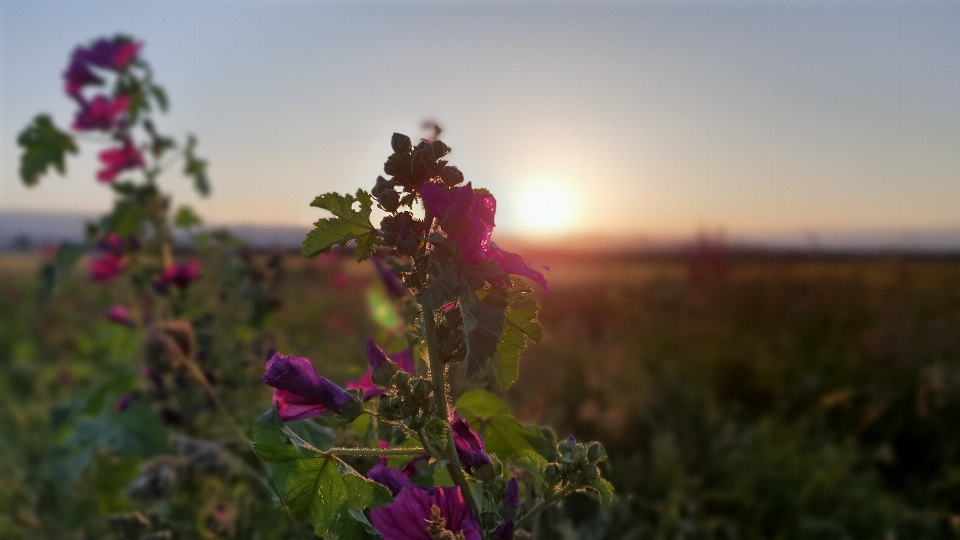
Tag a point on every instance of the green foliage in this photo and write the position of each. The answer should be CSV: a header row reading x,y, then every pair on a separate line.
x,y
316,486
186,218
519,329
503,434
482,326
347,224
55,272
196,168
43,145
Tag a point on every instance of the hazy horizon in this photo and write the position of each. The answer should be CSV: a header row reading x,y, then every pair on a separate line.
x,y
651,118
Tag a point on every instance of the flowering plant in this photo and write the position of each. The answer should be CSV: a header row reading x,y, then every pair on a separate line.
x,y
445,468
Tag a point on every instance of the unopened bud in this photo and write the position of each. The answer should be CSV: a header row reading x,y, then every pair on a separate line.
x,y
384,374
567,445
485,473
400,379
590,472
551,473
596,452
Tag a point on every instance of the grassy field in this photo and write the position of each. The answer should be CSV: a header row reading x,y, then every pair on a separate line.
x,y
768,398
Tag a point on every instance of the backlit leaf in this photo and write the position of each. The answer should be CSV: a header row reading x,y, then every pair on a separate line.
x,y
347,224
43,145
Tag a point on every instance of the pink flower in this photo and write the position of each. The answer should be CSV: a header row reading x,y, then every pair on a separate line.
x,y
107,267
118,313
117,160
468,219
181,275
300,392
101,113
417,513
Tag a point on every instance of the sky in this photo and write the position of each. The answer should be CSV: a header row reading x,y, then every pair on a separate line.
x,y
634,118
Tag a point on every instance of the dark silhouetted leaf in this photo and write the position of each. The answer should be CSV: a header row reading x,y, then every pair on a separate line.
x,y
43,145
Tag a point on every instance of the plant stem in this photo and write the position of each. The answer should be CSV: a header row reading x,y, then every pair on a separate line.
x,y
563,492
440,396
375,452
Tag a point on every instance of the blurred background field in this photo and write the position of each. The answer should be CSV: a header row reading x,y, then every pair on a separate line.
x,y
743,396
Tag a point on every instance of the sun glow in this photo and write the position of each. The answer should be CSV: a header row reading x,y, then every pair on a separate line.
x,y
546,208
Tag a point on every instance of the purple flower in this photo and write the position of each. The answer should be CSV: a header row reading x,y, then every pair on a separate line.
x,y
117,160
78,73
115,54
417,513
101,113
394,286
107,267
468,219
505,530
181,275
119,314
392,477
111,243
300,392
124,402
376,356
511,497
469,445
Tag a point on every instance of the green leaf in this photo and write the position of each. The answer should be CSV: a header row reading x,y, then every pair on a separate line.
x,y
318,487
54,273
604,489
481,403
43,145
196,168
160,96
502,434
520,327
482,326
347,224
186,218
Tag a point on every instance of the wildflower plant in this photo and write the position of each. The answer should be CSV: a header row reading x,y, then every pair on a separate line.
x,y
438,466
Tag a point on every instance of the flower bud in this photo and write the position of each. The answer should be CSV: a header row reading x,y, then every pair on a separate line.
x,y
382,375
590,472
596,452
400,143
551,473
485,473
400,379
567,445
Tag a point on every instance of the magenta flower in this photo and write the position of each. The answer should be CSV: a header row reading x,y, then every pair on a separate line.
x,y
116,54
117,160
300,392
469,445
119,314
395,287
376,356
417,513
101,113
107,267
111,243
468,219
181,275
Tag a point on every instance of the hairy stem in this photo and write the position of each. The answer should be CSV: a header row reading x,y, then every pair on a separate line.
x,y
559,494
440,396
375,452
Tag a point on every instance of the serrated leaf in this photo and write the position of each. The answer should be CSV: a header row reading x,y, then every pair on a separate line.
x,y
482,326
519,328
347,224
43,145
604,489
320,488
480,403
160,96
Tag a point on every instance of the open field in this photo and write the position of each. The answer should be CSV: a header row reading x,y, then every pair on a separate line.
x,y
762,397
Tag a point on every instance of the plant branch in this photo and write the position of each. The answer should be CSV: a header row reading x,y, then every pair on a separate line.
x,y
375,452
561,493
440,396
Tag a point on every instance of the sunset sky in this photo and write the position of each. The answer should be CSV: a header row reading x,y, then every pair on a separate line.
x,y
647,117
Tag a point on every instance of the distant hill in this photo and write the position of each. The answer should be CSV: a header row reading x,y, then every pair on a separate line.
x,y
30,229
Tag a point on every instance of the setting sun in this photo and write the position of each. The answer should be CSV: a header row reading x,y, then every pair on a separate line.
x,y
546,208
